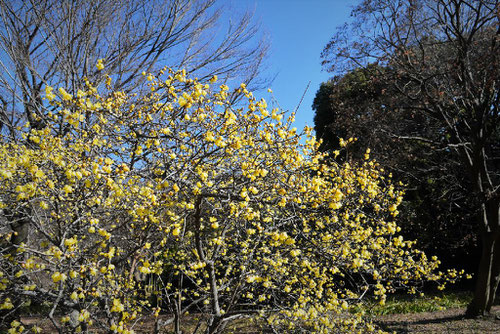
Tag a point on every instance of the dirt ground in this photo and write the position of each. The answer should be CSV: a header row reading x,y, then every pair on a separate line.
x,y
442,322
448,321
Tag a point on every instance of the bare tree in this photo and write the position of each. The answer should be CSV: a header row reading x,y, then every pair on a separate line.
x,y
47,42
446,56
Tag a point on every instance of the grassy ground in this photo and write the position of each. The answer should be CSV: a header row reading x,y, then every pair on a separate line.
x,y
402,304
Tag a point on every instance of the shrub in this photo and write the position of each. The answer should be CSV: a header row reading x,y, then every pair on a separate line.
x,y
178,200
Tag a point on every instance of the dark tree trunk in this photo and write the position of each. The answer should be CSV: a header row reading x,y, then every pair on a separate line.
x,y
482,292
495,275
488,275
217,325
19,223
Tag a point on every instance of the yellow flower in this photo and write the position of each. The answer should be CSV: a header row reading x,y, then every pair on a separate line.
x,y
49,95
70,242
57,276
67,189
295,252
117,306
64,94
7,304
176,231
100,65
209,136
84,315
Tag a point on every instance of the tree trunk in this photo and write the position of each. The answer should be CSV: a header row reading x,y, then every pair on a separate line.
x,y
216,325
495,275
489,266
481,299
178,306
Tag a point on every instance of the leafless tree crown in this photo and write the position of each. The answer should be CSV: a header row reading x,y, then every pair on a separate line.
x,y
57,43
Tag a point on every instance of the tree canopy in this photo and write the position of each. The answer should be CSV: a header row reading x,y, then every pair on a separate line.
x,y
437,209
445,57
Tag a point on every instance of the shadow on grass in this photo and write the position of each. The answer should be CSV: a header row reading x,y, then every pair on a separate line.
x,y
402,322
449,321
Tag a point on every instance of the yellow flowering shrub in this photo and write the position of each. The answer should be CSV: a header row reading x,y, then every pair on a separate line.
x,y
177,200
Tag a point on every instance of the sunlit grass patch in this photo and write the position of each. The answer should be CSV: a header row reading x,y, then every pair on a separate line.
x,y
401,304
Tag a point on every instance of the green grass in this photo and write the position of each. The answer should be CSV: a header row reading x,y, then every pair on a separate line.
x,y
401,304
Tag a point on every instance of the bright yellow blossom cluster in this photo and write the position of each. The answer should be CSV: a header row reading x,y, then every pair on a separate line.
x,y
178,200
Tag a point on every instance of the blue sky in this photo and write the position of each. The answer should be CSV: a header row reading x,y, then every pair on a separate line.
x,y
298,29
